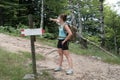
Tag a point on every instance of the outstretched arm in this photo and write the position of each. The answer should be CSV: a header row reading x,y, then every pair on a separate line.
x,y
55,20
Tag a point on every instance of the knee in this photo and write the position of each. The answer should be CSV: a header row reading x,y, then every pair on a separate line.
x,y
60,53
67,55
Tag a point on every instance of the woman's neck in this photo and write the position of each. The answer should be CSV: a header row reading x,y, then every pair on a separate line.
x,y
62,23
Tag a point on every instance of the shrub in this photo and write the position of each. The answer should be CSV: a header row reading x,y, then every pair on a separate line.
x,y
49,36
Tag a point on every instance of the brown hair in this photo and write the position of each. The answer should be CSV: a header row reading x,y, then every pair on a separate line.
x,y
63,17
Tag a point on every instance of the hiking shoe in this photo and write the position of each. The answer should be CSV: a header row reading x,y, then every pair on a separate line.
x,y
57,69
69,72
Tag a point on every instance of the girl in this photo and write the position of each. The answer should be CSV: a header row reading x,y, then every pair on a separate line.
x,y
63,42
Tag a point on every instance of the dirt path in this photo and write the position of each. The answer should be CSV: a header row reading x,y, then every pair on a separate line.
x,y
85,68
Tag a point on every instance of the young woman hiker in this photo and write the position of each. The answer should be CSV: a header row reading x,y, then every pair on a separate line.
x,y
63,43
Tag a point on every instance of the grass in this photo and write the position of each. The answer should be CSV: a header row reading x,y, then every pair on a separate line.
x,y
46,76
91,51
28,55
13,66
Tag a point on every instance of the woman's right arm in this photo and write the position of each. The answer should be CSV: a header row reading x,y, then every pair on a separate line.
x,y
55,20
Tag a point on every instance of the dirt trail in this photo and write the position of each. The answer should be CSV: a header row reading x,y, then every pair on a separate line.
x,y
85,68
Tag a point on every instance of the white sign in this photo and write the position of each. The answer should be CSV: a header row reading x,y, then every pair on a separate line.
x,y
30,32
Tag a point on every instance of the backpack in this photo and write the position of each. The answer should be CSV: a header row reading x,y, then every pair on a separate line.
x,y
73,30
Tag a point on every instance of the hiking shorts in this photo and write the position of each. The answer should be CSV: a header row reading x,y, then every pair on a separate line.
x,y
65,46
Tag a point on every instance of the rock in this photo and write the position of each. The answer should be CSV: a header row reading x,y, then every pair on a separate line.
x,y
96,57
29,77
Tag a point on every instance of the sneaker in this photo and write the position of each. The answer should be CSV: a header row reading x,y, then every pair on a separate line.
x,y
69,72
57,69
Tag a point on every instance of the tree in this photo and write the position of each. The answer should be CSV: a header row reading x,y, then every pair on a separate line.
x,y
53,9
42,14
102,24
85,17
9,12
112,29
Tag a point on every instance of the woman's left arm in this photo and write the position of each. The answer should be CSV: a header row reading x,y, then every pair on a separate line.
x,y
69,33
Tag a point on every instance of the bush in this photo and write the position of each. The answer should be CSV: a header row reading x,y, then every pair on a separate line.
x,y
13,30
95,39
49,36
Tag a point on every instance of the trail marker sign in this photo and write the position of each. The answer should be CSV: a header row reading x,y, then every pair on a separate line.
x,y
31,32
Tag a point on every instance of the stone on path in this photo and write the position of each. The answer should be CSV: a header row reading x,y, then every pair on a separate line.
x,y
29,77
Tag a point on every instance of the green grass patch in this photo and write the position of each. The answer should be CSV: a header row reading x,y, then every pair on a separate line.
x,y
47,41
12,66
29,55
46,76
94,51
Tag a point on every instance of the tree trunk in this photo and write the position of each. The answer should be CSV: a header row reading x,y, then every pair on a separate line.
x,y
102,24
1,17
119,51
73,21
115,43
79,18
83,42
115,36
42,14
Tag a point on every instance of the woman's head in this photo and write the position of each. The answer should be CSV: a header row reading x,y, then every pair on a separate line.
x,y
62,17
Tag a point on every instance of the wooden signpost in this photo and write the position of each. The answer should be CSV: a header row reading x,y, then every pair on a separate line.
x,y
32,32
32,46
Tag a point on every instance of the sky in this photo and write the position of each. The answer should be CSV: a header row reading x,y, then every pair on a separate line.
x,y
113,2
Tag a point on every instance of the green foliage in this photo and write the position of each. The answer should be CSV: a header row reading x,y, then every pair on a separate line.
x,y
49,36
14,17
90,16
12,30
53,9
94,39
16,12
9,12
112,28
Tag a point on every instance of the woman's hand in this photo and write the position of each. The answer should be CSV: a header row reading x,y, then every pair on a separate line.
x,y
63,42
50,19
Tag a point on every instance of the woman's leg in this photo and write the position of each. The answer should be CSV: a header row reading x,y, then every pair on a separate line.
x,y
60,51
70,70
59,68
69,59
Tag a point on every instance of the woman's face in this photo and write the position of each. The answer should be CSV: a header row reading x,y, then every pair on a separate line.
x,y
60,20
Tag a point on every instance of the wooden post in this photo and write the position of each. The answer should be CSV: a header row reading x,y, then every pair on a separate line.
x,y
32,46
